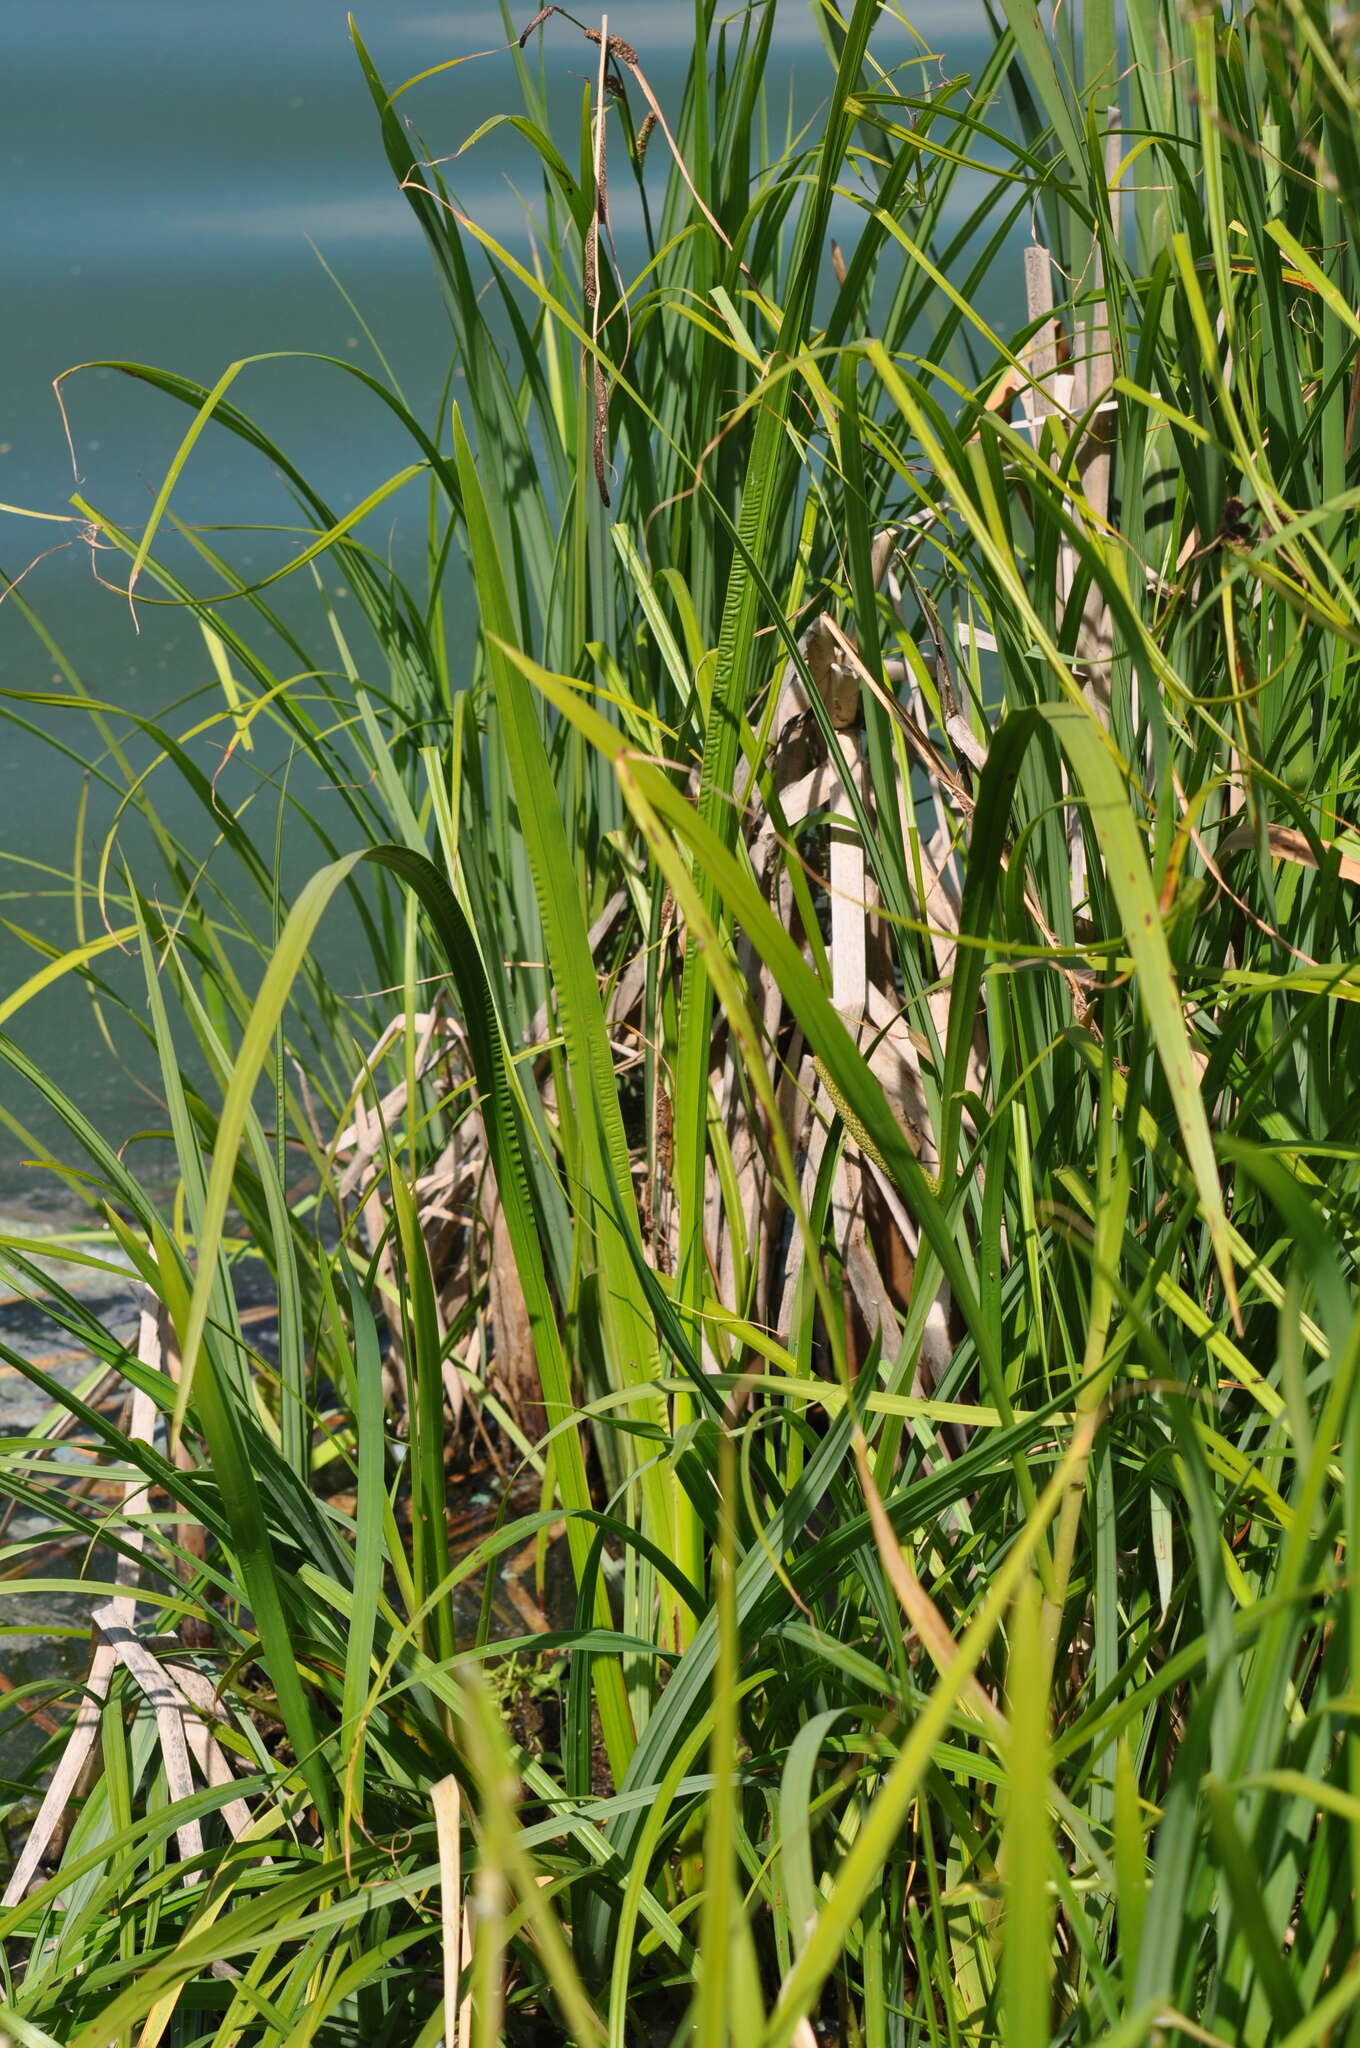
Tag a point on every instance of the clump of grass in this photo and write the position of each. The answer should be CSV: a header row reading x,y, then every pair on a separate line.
x,y
879,1151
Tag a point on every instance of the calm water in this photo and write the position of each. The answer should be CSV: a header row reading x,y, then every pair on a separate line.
x,y
163,164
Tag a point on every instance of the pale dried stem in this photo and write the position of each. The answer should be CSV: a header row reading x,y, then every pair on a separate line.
x,y
180,1726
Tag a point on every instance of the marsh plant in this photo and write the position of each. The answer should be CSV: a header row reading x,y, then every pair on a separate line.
x,y
846,819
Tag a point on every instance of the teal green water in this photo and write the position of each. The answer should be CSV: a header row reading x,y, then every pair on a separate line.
x,y
164,163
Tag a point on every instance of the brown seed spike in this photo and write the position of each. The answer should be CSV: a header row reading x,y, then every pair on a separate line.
x,y
601,427
625,52
537,21
590,281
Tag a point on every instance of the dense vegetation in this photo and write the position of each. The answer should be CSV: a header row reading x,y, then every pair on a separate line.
x,y
862,1127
